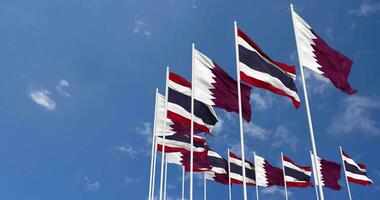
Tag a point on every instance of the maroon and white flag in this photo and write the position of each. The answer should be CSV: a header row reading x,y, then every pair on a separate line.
x,y
329,173
200,164
356,173
266,174
215,87
317,55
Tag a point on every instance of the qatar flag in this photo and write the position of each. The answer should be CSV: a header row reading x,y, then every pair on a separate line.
x,y
315,54
215,87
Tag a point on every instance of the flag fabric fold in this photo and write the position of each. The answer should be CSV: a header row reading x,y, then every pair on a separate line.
x,y
200,163
236,170
217,88
319,57
259,70
266,174
329,173
356,173
295,175
179,108
178,143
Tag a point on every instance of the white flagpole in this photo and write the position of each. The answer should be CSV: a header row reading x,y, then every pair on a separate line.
x,y
314,148
257,187
152,159
240,113
283,171
163,137
154,165
229,175
183,182
345,173
314,176
192,122
166,176
204,186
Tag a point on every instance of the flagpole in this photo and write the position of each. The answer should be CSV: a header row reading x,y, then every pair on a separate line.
x,y
229,175
163,137
314,148
152,159
204,186
257,187
314,176
192,122
166,176
283,171
154,164
240,113
345,173
183,182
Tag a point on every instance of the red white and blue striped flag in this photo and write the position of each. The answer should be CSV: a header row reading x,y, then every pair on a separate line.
x,y
259,70
356,173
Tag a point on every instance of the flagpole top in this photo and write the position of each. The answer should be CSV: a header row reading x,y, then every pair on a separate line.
x,y
156,90
291,6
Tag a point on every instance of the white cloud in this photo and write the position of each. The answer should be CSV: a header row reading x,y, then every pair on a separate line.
x,y
356,116
366,8
261,101
126,149
62,84
283,137
316,83
218,126
145,129
41,97
194,4
91,185
141,27
255,131
275,191
129,180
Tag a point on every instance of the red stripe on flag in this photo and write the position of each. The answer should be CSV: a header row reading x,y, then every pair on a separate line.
x,y
261,84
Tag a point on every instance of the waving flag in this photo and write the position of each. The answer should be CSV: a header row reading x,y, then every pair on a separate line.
x,y
236,170
317,55
219,168
329,172
215,87
266,174
178,142
258,69
179,108
295,175
200,164
356,173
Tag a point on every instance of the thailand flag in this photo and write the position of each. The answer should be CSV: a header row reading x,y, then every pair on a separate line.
x,y
259,70
295,175
356,173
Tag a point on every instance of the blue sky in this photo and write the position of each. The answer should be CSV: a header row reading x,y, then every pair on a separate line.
x,y
78,78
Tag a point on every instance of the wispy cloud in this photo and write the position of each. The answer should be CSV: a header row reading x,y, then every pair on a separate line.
x,y
42,98
316,82
356,116
130,180
126,149
255,131
275,191
141,27
145,129
283,137
262,101
366,8
62,85
91,185
329,32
